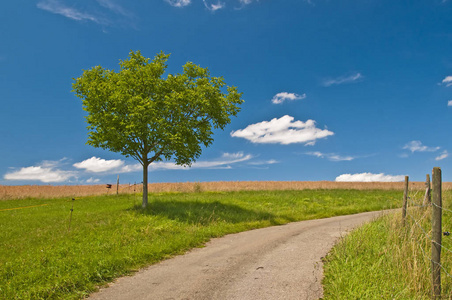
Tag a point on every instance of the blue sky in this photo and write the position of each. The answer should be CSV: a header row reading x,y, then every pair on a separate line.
x,y
353,90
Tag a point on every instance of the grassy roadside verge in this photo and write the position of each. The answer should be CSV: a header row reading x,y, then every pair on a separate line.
x,y
111,236
385,260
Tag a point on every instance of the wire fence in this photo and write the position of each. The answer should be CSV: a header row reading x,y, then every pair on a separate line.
x,y
424,210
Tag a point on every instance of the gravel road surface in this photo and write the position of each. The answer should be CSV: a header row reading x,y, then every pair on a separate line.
x,y
280,262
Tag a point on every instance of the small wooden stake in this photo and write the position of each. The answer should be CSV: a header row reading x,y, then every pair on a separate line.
x,y
436,233
428,193
70,218
405,200
117,186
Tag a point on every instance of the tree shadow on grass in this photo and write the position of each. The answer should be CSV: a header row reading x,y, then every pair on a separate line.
x,y
193,212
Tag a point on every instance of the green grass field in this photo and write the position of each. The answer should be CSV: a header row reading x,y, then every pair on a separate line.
x,y
41,257
386,260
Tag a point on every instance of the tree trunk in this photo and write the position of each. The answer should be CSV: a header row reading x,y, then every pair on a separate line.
x,y
145,185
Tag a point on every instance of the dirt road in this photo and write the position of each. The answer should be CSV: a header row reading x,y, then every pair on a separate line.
x,y
281,262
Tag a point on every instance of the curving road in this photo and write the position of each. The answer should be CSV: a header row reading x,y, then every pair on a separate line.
x,y
280,262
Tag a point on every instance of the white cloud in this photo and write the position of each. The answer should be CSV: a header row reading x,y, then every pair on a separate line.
x,y
59,8
245,2
281,97
214,7
447,81
98,165
47,171
414,146
282,131
178,3
40,173
443,155
342,80
449,103
369,177
331,156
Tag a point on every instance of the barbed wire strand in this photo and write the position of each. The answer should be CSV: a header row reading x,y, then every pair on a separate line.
x,y
442,267
411,201
445,248
416,222
442,207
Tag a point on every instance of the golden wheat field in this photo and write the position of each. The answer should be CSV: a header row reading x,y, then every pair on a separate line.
x,y
49,191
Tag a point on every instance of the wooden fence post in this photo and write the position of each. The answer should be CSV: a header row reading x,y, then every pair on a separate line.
x,y
405,200
428,192
436,233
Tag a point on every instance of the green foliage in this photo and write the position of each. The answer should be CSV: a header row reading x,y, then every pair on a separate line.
x,y
138,113
112,236
393,259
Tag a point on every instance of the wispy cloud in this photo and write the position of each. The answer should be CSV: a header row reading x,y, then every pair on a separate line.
x,y
331,156
447,81
282,131
208,4
107,12
342,80
178,3
449,103
369,177
416,146
443,155
225,162
284,96
214,7
59,8
264,162
116,8
46,171
92,180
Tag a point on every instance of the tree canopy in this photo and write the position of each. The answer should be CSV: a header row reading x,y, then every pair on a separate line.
x,y
141,114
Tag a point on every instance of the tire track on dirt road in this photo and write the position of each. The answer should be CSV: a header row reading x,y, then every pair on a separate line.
x,y
279,262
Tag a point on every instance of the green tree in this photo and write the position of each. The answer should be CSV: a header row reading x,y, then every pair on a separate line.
x,y
140,114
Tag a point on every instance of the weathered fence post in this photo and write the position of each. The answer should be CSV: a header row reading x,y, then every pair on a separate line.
x,y
428,194
405,200
70,218
436,233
